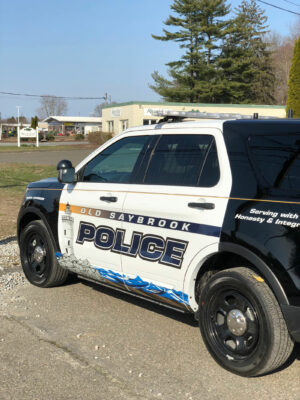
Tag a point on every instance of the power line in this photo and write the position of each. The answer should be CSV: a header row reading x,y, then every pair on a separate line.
x,y
280,8
55,97
291,2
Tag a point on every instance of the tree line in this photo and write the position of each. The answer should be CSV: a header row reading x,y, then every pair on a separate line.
x,y
225,59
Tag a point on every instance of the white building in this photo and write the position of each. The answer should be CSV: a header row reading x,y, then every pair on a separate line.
x,y
73,125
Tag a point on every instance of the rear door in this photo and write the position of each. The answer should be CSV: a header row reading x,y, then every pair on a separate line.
x,y
177,210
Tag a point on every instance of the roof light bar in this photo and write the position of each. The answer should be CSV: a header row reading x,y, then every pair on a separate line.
x,y
203,115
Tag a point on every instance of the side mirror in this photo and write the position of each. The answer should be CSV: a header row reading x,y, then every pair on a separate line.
x,y
66,172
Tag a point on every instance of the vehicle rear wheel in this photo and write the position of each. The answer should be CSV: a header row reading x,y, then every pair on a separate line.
x,y
38,257
242,324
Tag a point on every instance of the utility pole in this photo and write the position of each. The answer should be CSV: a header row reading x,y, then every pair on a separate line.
x,y
105,98
18,130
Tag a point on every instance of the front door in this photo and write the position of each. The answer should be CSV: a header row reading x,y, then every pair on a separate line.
x,y
89,231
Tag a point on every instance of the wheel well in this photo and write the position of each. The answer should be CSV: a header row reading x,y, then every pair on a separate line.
x,y
29,217
219,262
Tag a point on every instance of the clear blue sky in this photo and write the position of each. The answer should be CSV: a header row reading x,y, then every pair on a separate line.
x,y
89,47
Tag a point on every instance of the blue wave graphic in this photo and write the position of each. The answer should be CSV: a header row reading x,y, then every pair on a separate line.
x,y
146,287
135,283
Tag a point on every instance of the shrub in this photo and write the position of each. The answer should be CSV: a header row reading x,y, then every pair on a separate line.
x,y
50,137
98,138
79,136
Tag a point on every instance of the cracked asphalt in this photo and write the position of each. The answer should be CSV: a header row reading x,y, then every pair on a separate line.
x,y
81,341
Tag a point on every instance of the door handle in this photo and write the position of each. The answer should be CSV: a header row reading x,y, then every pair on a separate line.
x,y
109,199
202,206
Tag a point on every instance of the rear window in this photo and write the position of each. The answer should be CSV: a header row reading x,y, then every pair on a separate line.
x,y
277,157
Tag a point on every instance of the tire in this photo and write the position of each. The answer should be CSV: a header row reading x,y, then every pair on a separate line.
x,y
242,324
38,257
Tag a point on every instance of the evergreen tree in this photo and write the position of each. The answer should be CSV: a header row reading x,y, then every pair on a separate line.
x,y
34,122
200,28
246,61
293,100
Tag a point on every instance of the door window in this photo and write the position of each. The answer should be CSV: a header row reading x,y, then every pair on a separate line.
x,y
117,162
184,160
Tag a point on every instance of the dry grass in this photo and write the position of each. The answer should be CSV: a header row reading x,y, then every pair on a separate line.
x,y
13,181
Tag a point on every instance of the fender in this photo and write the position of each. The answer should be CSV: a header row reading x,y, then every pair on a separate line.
x,y
41,216
260,265
192,272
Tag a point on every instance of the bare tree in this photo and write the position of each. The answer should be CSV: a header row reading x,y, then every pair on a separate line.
x,y
295,30
51,105
98,110
281,54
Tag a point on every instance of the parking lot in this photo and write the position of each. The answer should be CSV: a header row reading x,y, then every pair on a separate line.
x,y
84,341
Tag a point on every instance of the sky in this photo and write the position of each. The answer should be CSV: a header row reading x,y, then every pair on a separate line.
x,y
86,48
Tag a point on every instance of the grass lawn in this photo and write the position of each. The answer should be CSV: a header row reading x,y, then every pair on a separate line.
x,y
13,181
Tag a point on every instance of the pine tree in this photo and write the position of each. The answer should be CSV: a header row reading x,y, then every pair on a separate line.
x,y
293,100
200,29
34,122
246,62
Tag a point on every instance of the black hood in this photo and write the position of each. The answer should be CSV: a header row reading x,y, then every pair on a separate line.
x,y
46,183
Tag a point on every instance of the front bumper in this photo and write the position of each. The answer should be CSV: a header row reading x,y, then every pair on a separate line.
x,y
291,315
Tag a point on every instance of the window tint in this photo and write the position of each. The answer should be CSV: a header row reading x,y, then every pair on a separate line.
x,y
184,160
210,173
116,163
277,158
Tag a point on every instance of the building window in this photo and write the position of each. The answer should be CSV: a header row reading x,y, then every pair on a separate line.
x,y
110,126
124,124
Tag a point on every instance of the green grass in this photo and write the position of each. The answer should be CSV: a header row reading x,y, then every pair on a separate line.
x,y
15,177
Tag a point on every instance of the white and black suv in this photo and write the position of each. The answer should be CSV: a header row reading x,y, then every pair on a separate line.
x,y
199,216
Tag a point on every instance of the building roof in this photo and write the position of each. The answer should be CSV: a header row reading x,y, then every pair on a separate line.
x,y
92,120
152,103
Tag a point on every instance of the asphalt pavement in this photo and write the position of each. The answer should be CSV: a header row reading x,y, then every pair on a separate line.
x,y
82,341
46,144
44,157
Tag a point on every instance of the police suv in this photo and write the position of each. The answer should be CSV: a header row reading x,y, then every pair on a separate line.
x,y
201,216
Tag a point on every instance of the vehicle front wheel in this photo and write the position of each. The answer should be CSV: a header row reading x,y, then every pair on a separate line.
x,y
242,324
38,257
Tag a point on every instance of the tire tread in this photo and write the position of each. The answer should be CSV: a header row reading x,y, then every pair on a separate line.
x,y
283,344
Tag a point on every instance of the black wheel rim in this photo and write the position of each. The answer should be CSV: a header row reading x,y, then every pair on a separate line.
x,y
36,255
233,324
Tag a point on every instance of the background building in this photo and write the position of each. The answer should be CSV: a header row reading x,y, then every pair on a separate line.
x,y
73,125
118,117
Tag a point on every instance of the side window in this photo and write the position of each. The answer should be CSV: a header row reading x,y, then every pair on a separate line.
x,y
184,160
210,174
277,158
116,163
